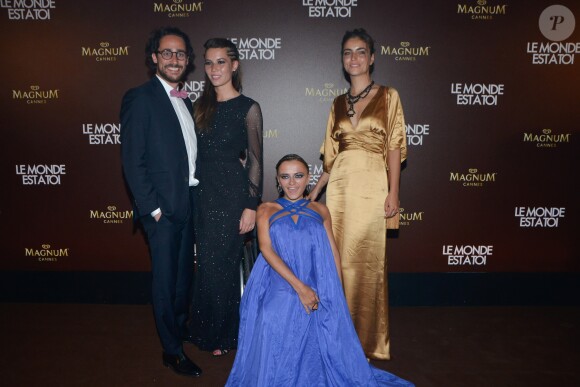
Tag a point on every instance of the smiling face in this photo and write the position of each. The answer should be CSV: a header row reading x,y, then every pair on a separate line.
x,y
219,67
171,70
293,178
356,57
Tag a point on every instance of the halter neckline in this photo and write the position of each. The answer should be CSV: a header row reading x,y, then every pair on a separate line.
x,y
285,202
298,208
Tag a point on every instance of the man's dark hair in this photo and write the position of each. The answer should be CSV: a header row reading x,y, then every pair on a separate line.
x,y
153,46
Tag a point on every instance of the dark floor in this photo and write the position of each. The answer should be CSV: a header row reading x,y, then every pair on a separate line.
x,y
116,345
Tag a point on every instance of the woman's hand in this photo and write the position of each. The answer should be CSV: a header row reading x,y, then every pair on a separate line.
x,y
391,205
322,181
308,298
247,221
313,195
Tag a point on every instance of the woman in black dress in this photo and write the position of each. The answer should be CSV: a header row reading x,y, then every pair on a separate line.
x,y
229,133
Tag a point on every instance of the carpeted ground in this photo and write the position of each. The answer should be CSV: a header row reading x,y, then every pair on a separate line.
x,y
116,345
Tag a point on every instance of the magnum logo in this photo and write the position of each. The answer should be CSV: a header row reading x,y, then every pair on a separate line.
x,y
473,178
35,95
546,139
178,8
405,52
111,215
326,94
105,53
481,11
46,253
406,218
270,133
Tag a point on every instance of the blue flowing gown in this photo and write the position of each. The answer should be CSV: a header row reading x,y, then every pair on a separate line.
x,y
279,344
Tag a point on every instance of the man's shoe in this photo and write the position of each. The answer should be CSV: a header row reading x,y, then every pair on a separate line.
x,y
181,364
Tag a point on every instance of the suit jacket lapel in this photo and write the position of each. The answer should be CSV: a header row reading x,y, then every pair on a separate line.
x,y
165,105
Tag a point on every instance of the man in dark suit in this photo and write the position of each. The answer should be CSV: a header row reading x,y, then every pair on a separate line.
x,y
159,149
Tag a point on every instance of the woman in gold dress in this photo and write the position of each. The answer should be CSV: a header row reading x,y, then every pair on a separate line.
x,y
363,149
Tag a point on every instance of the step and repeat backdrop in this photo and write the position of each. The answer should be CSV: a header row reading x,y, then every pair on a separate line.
x,y
490,91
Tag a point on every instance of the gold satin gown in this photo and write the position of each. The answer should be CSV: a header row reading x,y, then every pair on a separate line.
x,y
356,159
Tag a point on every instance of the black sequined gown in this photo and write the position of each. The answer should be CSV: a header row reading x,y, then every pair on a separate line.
x,y
226,188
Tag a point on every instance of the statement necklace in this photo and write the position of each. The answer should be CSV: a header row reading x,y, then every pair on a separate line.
x,y
351,100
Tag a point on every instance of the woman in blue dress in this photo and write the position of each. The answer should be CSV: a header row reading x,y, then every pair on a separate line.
x,y
295,327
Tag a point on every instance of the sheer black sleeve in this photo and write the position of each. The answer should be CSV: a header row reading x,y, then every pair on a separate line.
x,y
254,160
